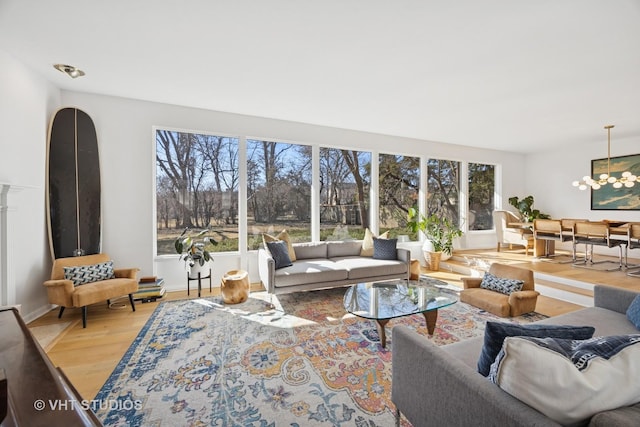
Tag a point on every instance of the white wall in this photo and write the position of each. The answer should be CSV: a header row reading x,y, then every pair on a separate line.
x,y
27,101
127,150
550,174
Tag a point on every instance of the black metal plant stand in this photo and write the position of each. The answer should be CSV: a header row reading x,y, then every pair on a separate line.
x,y
199,279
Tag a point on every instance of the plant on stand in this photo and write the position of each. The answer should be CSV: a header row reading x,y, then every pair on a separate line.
x,y
193,247
525,208
440,232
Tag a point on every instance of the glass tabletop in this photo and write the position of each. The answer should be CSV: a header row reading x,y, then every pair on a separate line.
x,y
396,298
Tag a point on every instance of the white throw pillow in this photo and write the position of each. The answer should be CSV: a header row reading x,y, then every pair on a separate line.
x,y
367,242
570,380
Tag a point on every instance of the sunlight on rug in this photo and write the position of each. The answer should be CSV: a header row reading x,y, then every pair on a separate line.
x,y
307,363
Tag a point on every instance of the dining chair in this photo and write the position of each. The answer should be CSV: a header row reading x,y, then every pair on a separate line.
x,y
633,242
550,230
567,228
506,234
595,234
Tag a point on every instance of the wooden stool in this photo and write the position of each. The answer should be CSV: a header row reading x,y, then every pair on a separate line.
x,y
235,286
415,270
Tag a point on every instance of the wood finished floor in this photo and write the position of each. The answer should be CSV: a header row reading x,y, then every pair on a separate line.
x,y
88,356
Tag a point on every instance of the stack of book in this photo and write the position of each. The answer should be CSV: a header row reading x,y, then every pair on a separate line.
x,y
150,288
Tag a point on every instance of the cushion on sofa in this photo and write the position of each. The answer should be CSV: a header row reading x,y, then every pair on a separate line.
x,y
633,312
570,380
284,236
367,242
82,274
496,332
626,416
311,250
500,284
307,271
340,249
280,253
493,302
385,249
364,267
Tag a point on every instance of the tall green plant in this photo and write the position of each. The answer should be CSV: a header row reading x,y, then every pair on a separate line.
x,y
439,231
525,207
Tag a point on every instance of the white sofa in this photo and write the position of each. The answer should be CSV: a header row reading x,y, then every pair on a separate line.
x,y
329,264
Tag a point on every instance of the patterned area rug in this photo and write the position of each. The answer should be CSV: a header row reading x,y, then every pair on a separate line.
x,y
199,362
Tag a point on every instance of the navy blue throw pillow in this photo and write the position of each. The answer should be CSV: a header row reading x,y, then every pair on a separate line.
x,y
496,332
280,253
385,249
633,312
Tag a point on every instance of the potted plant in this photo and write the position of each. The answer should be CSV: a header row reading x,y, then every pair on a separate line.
x,y
440,232
525,208
193,249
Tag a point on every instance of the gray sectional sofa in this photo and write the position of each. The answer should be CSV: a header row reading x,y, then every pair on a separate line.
x,y
440,386
329,264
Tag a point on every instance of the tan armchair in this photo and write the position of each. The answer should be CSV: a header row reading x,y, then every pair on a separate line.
x,y
511,235
502,305
63,293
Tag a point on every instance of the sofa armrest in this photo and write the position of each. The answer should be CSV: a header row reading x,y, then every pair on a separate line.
x,y
404,255
63,284
126,273
267,270
432,386
611,298
471,282
523,295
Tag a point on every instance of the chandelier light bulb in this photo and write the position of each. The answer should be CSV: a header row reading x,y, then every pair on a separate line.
x,y
627,179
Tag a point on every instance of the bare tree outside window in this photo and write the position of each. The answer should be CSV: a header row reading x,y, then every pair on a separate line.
x,y
399,186
278,190
345,179
482,184
197,187
443,189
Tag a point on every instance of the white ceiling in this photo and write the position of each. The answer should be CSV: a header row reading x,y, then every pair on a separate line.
x,y
512,75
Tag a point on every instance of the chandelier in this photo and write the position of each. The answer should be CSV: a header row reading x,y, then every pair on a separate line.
x,y
627,179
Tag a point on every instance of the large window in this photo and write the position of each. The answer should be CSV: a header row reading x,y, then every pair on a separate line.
x,y
196,187
399,186
345,177
443,189
278,190
481,196
198,176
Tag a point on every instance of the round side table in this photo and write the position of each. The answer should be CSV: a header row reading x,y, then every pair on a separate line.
x,y
235,286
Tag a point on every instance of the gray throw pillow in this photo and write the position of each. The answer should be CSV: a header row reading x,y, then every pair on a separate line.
x,y
633,312
280,253
385,249
496,332
501,284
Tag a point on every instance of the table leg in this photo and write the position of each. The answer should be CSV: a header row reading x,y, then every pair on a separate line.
x,y
383,336
431,317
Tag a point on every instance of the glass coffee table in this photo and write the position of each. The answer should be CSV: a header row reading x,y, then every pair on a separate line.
x,y
383,301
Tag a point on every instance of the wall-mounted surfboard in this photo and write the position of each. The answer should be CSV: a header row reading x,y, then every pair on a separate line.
x,y
73,185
